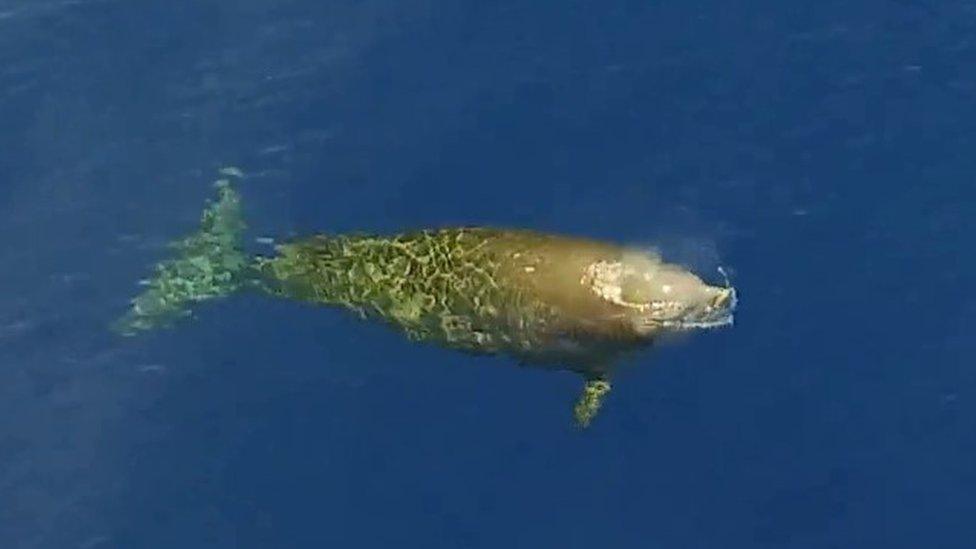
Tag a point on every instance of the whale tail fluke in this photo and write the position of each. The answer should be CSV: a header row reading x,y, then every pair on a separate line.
x,y
208,264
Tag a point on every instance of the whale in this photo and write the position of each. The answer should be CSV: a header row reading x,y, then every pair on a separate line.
x,y
546,300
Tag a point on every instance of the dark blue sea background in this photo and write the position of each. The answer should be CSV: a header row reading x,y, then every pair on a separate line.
x,y
824,153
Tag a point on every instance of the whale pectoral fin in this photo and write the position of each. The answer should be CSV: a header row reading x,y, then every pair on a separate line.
x,y
590,400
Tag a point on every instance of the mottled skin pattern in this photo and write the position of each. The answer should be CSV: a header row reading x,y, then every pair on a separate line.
x,y
474,289
545,299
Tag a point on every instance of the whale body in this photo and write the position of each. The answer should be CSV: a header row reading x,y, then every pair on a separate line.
x,y
547,300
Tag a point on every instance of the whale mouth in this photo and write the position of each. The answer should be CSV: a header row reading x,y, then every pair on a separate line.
x,y
727,319
717,314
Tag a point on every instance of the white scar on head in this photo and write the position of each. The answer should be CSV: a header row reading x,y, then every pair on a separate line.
x,y
604,279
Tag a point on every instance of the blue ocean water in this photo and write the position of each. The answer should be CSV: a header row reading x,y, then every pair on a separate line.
x,y
822,152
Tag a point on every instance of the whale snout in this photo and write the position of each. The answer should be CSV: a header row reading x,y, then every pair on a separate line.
x,y
725,299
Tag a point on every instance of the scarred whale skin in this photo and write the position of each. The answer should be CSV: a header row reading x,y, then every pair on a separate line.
x,y
548,300
541,297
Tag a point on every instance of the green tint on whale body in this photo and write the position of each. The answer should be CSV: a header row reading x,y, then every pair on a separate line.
x,y
545,299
